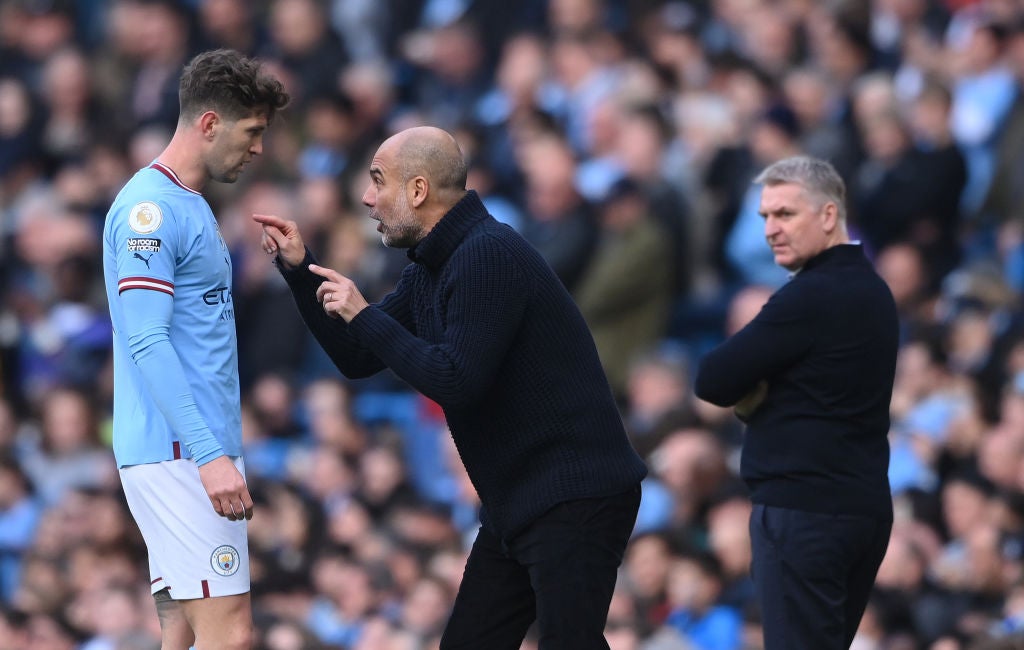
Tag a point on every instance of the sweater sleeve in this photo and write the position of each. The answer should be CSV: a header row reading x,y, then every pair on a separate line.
x,y
335,336
482,302
773,341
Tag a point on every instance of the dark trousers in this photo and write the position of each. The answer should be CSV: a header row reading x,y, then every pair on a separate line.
x,y
813,573
559,571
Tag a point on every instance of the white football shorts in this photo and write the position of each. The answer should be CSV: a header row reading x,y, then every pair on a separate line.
x,y
193,551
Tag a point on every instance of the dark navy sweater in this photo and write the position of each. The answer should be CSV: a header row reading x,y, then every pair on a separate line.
x,y
826,343
480,324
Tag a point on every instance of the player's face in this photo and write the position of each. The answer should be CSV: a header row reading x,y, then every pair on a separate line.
x,y
235,144
388,201
796,227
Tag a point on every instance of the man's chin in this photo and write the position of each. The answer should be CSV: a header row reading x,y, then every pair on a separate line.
x,y
784,262
394,243
391,242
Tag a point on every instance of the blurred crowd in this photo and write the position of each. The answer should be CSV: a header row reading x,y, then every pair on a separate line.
x,y
620,138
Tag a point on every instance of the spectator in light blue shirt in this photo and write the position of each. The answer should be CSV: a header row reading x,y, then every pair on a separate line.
x,y
694,585
19,516
982,97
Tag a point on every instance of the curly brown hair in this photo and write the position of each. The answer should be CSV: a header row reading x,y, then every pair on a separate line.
x,y
229,83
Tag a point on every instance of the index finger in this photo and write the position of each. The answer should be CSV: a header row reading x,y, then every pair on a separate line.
x,y
269,220
329,274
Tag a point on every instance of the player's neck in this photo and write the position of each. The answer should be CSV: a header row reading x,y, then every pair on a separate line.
x,y
180,157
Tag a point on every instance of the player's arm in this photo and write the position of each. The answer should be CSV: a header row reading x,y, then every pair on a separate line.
x,y
147,317
146,243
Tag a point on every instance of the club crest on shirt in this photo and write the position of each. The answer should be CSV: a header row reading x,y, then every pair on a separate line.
x,y
224,560
145,217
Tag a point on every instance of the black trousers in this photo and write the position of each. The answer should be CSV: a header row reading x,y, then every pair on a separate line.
x,y
559,571
813,573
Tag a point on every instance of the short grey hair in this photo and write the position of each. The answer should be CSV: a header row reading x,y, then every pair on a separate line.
x,y
817,177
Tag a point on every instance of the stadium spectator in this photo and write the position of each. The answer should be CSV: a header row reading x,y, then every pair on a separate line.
x,y
626,291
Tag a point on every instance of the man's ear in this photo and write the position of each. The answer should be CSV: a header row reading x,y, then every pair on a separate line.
x,y
208,124
830,216
418,189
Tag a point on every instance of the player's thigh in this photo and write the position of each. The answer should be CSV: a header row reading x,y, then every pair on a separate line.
x,y
193,551
175,631
222,623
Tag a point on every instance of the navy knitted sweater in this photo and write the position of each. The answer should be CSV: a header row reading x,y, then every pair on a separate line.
x,y
480,324
826,343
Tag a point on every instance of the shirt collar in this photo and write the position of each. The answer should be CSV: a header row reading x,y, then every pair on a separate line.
x,y
839,252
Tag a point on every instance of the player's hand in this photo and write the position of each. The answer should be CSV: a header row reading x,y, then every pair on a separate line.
x,y
749,403
338,294
282,238
226,488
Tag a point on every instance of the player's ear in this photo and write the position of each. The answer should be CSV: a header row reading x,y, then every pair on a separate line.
x,y
208,123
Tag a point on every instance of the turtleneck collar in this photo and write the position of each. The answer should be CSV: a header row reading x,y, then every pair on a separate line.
x,y
839,252
448,233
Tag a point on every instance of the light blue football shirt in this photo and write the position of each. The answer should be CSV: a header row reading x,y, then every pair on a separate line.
x,y
168,280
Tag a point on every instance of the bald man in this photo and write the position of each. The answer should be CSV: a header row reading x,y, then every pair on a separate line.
x,y
480,324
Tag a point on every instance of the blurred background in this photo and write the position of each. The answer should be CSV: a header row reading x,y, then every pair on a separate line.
x,y
620,138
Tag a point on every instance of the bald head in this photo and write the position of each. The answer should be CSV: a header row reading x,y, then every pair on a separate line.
x,y
433,153
416,177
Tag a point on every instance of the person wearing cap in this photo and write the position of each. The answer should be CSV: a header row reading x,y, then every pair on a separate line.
x,y
812,375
